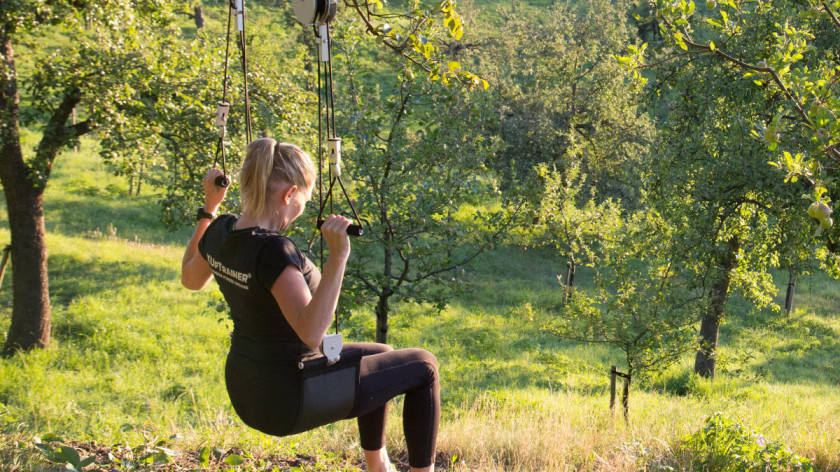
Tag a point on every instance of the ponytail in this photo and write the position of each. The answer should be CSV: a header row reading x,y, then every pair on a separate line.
x,y
267,164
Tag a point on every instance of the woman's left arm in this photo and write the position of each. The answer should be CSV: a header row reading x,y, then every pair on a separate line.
x,y
195,271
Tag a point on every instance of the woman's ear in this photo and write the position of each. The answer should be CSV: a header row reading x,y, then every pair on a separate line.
x,y
289,193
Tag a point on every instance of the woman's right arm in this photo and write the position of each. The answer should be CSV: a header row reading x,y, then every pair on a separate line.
x,y
195,271
310,314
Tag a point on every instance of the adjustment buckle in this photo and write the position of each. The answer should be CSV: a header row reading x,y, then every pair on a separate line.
x,y
334,152
222,113
239,8
331,347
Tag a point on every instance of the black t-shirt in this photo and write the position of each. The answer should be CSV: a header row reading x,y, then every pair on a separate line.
x,y
246,263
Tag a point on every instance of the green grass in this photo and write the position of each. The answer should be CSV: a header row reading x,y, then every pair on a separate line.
x,y
136,359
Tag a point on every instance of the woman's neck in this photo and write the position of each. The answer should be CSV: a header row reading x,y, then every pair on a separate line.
x,y
274,222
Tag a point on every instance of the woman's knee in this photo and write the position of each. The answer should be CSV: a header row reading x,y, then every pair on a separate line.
x,y
427,359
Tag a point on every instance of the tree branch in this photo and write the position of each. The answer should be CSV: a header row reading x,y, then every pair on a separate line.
x,y
469,258
56,135
81,128
190,15
831,14
367,283
748,66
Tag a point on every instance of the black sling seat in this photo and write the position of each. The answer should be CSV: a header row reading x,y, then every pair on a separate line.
x,y
328,391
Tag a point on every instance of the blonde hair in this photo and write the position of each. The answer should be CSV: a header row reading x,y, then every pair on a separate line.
x,y
268,163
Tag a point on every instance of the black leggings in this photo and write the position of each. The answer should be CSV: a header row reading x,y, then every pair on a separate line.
x,y
385,373
265,390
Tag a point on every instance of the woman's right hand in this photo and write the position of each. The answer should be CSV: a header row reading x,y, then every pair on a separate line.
x,y
334,230
213,194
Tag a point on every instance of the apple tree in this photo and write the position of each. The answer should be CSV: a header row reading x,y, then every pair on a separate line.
x,y
418,179
785,55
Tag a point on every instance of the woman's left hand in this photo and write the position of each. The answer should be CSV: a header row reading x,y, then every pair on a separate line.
x,y
213,194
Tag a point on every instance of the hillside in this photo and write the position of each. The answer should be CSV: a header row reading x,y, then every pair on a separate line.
x,y
136,361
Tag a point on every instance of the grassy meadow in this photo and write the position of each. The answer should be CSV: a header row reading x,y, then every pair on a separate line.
x,y
136,363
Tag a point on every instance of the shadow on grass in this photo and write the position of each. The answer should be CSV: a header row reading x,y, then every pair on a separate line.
x,y
809,355
130,218
71,277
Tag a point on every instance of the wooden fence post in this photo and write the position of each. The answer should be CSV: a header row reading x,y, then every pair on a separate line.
x,y
625,398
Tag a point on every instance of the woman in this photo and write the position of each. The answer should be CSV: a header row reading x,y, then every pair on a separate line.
x,y
282,306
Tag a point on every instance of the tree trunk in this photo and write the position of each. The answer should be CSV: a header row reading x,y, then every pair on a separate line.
x,y
382,306
625,397
790,290
139,180
570,277
382,309
704,362
30,325
199,17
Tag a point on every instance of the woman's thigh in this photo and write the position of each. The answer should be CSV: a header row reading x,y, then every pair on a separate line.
x,y
385,375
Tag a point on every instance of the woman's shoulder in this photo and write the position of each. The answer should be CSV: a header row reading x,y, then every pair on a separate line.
x,y
277,245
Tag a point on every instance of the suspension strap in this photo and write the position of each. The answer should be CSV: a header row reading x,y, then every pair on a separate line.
x,y
333,142
237,7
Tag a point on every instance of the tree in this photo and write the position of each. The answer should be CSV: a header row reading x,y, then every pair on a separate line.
x,y
573,226
560,98
727,210
168,128
24,178
758,84
418,180
789,51
640,304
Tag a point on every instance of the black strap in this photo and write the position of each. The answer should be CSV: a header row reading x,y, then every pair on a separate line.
x,y
327,91
220,147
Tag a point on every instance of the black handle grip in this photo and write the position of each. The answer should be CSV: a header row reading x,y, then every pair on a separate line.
x,y
222,181
352,230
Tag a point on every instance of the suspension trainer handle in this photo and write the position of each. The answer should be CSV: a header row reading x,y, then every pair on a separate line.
x,y
222,181
352,230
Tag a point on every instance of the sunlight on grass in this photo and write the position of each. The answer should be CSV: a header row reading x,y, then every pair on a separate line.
x,y
136,359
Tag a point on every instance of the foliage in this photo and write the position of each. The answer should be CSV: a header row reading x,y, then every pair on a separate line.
x,y
413,31
417,178
638,304
788,52
733,217
725,444
64,454
573,226
560,100
281,101
164,125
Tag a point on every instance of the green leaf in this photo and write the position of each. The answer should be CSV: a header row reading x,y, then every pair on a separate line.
x,y
204,457
68,454
234,460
